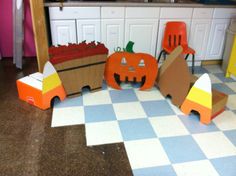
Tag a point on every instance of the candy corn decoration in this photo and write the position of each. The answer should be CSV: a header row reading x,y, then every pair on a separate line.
x,y
52,85
199,99
39,89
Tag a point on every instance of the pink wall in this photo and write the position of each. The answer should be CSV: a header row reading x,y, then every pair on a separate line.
x,y
6,30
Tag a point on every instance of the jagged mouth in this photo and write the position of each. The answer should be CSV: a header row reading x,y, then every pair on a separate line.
x,y
118,81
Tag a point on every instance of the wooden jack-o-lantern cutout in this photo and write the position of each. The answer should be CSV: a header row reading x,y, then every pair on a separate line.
x,y
127,65
174,78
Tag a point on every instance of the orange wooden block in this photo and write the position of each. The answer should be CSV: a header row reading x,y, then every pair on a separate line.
x,y
131,67
40,89
207,102
205,113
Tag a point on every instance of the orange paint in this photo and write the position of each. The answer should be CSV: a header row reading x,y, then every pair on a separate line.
x,y
35,97
131,66
205,113
29,94
48,96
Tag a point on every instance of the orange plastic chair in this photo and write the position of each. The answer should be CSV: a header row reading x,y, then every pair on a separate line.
x,y
175,34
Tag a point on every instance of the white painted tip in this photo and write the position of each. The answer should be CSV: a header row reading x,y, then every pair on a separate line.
x,y
203,83
48,69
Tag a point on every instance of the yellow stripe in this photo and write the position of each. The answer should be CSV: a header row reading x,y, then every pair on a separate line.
x,y
51,82
201,97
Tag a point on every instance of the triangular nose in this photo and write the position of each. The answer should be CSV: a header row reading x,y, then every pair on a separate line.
x,y
131,69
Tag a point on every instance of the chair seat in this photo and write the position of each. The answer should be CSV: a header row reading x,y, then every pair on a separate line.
x,y
186,49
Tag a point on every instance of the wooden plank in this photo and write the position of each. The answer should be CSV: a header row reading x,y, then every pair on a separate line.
x,y
40,32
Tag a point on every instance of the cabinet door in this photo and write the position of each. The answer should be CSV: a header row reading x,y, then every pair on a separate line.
x,y
162,26
217,39
199,35
88,30
143,32
63,32
113,33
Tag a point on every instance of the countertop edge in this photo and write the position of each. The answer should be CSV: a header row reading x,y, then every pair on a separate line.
x,y
134,4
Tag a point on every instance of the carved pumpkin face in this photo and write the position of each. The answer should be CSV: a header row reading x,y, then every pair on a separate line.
x,y
132,67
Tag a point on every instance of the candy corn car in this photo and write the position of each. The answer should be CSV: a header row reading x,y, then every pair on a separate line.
x,y
40,89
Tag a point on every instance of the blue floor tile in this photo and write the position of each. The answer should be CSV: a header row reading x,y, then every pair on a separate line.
x,y
225,166
223,88
136,84
231,135
155,171
193,124
136,129
120,96
222,77
157,108
99,113
182,149
104,85
69,102
199,69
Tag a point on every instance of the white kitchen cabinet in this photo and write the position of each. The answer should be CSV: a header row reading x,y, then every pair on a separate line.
x,y
198,38
217,39
141,26
112,27
143,32
88,30
200,30
112,33
63,32
162,26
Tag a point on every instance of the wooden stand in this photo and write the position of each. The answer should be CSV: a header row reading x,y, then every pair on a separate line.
x,y
40,32
79,66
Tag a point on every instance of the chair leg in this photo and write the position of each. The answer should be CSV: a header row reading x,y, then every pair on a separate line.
x,y
186,57
165,55
159,57
193,60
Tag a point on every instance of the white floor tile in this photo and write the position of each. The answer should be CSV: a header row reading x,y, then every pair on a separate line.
x,y
231,103
195,168
232,85
176,109
149,95
214,68
215,144
132,110
123,85
226,120
146,153
97,98
103,133
167,126
214,79
67,116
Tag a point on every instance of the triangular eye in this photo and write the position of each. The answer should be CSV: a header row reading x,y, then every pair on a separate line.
x,y
141,63
123,61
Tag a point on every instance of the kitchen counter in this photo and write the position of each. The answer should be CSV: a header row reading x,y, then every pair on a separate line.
x,y
136,3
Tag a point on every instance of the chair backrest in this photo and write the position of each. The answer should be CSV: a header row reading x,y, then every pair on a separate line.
x,y
175,34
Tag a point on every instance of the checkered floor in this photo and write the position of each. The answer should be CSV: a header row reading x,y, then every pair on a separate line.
x,y
159,139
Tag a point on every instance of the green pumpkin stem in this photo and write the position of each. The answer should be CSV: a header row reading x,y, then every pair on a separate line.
x,y
129,47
